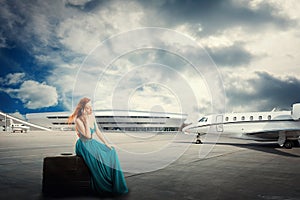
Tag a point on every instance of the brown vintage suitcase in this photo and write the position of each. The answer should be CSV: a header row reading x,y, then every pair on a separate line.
x,y
65,175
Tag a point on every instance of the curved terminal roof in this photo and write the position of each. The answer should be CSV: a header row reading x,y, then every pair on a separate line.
x,y
115,113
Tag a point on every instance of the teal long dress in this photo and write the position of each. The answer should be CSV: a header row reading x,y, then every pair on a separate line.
x,y
104,165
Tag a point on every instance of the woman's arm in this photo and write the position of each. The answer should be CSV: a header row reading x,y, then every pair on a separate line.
x,y
101,137
83,126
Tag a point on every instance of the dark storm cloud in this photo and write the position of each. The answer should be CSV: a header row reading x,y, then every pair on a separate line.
x,y
235,55
268,92
32,25
85,6
215,16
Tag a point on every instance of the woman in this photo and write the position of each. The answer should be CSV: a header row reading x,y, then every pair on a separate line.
x,y
102,160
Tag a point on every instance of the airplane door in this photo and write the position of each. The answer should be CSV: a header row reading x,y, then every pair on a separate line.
x,y
219,123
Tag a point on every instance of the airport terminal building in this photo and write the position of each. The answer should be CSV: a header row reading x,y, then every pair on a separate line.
x,y
115,120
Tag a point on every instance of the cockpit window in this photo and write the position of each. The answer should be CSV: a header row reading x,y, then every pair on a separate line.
x,y
203,119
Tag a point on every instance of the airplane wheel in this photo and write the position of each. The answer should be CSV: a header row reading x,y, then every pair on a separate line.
x,y
288,144
198,142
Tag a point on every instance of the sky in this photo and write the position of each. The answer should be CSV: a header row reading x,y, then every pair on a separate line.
x,y
194,57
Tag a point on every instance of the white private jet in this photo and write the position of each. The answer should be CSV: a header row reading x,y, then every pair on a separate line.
x,y
280,126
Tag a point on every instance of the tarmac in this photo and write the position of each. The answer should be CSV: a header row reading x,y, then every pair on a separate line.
x,y
161,166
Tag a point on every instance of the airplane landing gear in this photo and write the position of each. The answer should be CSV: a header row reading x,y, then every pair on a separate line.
x,y
198,141
288,144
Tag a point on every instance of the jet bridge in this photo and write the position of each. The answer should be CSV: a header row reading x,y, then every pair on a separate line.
x,y
5,118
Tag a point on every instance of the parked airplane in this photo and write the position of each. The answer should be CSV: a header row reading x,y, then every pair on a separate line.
x,y
18,127
280,126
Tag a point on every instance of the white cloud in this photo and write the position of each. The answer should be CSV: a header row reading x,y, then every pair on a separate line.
x,y
153,87
280,52
287,8
15,78
64,80
226,38
12,79
154,97
84,32
34,95
61,33
17,114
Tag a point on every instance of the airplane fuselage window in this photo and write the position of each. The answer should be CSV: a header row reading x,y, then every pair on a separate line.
x,y
269,117
203,119
226,118
243,118
234,118
251,118
260,117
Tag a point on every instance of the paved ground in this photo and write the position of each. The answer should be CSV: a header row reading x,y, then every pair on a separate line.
x,y
161,166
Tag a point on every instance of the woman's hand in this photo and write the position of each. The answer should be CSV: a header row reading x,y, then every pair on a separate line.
x,y
85,119
83,125
110,147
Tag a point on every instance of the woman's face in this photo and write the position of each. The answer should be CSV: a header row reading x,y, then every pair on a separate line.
x,y
88,108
